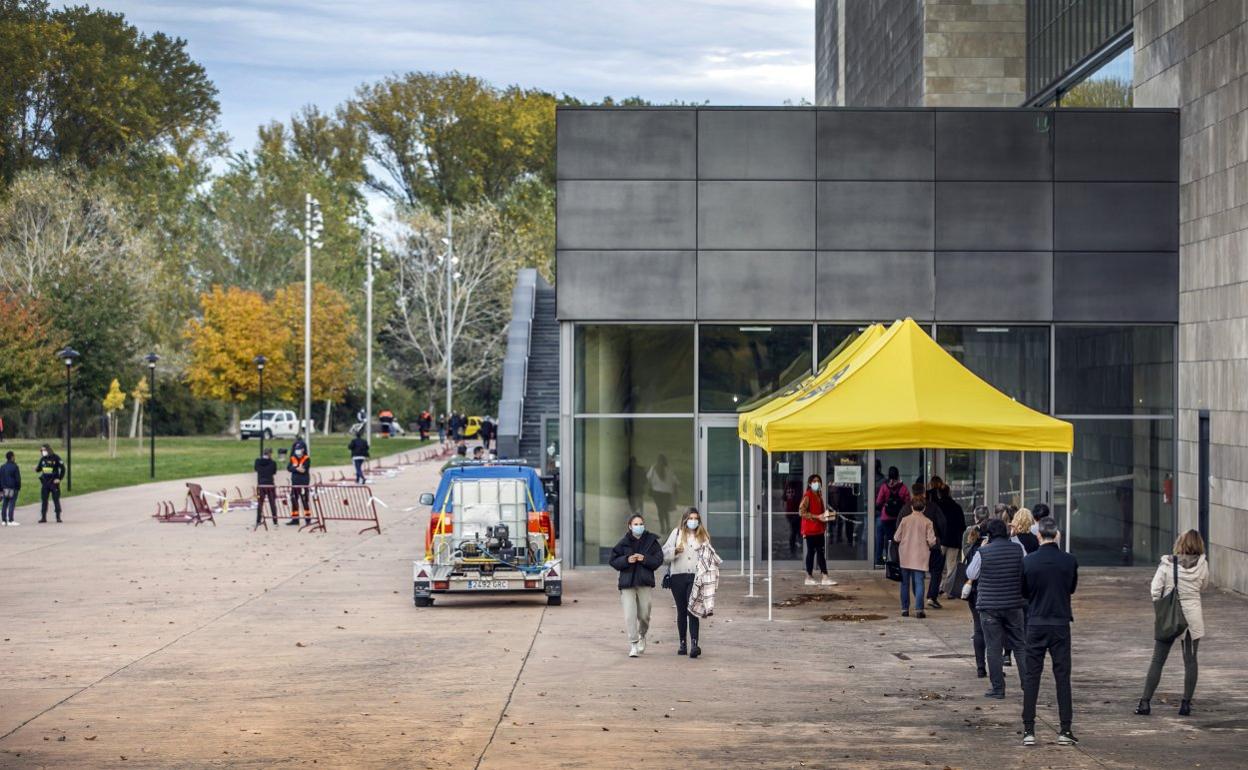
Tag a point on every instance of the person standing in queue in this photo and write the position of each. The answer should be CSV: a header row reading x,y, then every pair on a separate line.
x,y
359,455
936,560
997,569
1050,576
681,552
1189,565
972,539
890,498
266,489
636,557
915,539
51,470
951,537
10,486
814,516
299,466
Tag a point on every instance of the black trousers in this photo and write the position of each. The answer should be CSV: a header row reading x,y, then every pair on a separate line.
x,y
299,496
1002,629
977,641
814,552
795,531
935,568
262,494
1055,640
682,585
48,488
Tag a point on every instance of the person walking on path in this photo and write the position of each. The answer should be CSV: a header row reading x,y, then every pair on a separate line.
x,y
359,455
51,470
997,569
683,552
1050,576
951,539
300,469
1189,564
814,515
636,557
890,498
10,486
266,489
915,538
972,539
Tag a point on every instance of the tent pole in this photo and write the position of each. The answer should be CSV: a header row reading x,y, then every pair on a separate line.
x,y
753,496
769,543
1069,474
741,505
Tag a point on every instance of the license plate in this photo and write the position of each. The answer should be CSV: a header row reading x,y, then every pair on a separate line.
x,y
487,585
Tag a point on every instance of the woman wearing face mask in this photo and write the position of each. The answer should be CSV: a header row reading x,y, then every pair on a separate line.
x,y
683,551
814,524
636,557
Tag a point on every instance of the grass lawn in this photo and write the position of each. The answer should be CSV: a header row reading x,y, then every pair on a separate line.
x,y
180,457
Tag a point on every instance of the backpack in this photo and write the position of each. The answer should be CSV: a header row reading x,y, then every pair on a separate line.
x,y
893,505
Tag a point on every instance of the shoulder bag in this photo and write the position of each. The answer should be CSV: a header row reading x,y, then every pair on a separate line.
x,y
1169,623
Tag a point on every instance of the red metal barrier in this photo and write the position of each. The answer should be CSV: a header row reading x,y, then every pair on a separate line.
x,y
345,502
195,510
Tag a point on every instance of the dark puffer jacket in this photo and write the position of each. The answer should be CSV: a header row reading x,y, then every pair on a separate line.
x,y
637,574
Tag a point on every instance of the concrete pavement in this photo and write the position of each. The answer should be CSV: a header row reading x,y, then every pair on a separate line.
x,y
128,643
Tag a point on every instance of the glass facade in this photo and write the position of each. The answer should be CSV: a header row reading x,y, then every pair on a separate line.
x,y
1115,370
1013,359
1111,85
1062,34
737,364
634,369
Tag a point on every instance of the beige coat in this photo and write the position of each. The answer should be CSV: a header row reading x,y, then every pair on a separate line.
x,y
1192,580
915,538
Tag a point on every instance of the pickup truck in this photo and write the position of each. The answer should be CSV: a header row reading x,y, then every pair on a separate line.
x,y
271,423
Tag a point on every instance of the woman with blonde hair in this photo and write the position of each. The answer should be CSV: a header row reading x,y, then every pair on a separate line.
x,y
1186,571
682,552
1021,525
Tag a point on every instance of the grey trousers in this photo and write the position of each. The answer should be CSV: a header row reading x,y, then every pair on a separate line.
x,y
1161,651
636,602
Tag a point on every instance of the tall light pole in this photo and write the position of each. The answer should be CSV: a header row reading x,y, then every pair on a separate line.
x,y
260,361
368,341
151,359
68,356
313,226
450,275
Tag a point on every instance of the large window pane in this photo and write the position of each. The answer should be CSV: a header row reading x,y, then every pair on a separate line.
x,y
1013,359
1115,370
1122,491
634,369
629,465
737,364
833,336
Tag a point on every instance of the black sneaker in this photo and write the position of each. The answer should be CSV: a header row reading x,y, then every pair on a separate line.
x,y
292,523
684,650
981,674
1006,661
921,614
1067,738
905,613
995,695
1029,737
934,604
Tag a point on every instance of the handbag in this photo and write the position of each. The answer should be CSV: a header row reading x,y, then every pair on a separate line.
x,y
892,571
1169,623
667,579
957,579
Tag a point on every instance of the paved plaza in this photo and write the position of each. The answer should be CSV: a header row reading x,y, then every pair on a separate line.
x,y
127,643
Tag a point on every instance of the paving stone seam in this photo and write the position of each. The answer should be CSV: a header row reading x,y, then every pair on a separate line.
x,y
502,714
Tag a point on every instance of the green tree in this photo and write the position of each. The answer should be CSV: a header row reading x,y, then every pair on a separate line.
x,y
1100,92
29,371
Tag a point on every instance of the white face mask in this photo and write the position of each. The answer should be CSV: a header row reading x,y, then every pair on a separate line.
x,y
814,486
638,529
692,523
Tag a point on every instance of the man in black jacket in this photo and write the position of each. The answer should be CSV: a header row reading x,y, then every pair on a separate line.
x,y
636,557
951,536
359,455
51,470
266,471
10,486
1050,576
997,569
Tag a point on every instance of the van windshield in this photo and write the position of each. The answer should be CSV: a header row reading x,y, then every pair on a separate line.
x,y
265,416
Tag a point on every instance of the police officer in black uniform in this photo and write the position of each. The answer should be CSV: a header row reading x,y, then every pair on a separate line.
x,y
51,470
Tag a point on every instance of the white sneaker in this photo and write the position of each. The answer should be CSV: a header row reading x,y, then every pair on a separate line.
x,y
641,645
15,524
632,651
827,581
810,581
4,523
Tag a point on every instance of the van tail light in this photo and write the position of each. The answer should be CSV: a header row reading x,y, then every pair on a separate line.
x,y
441,585
530,584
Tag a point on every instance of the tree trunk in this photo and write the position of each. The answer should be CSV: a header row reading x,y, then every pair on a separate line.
x,y
233,430
329,408
134,418
140,433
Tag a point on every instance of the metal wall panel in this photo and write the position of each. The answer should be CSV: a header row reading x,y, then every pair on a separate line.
x,y
1005,145
1120,287
1000,286
994,216
756,144
870,285
894,216
1117,216
626,144
1102,146
756,215
875,144
627,285
778,284
626,215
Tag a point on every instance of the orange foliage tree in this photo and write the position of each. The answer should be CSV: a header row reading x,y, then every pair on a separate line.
x,y
29,371
333,341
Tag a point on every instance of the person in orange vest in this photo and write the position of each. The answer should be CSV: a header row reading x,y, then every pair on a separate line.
x,y
300,469
387,417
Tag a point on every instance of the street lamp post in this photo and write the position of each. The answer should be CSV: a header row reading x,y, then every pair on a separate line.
x,y
68,356
368,343
450,276
313,226
260,361
151,359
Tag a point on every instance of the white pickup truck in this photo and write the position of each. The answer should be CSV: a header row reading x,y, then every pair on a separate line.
x,y
271,423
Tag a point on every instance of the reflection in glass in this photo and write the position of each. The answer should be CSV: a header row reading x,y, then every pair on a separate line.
x,y
1010,477
634,369
629,465
740,363
964,473
788,484
831,336
1123,511
1115,370
1013,359
723,489
850,486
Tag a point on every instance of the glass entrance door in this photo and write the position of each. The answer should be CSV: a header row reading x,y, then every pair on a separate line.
x,y
850,494
719,493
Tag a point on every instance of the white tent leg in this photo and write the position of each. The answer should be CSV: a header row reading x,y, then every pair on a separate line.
x,y
1069,502
750,519
1022,479
769,543
741,504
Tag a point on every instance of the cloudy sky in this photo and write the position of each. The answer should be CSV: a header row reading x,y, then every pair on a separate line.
x,y
269,57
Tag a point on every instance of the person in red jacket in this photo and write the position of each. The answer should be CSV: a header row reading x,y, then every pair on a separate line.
x,y
815,517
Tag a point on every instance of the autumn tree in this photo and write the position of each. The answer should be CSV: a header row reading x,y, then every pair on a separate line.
x,y
114,402
334,335
29,371
235,326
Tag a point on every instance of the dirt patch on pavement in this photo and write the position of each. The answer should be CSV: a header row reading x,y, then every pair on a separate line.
x,y
853,617
801,599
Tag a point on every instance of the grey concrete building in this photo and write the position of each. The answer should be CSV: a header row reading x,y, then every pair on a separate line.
x,y
707,256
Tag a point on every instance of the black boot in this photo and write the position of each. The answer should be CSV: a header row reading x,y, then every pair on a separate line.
x,y
1185,708
293,523
695,650
1143,708
684,649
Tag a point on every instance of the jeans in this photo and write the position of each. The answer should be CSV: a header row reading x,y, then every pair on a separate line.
x,y
883,536
359,469
912,578
636,603
814,552
1161,651
1056,641
1003,629
977,641
7,504
682,585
